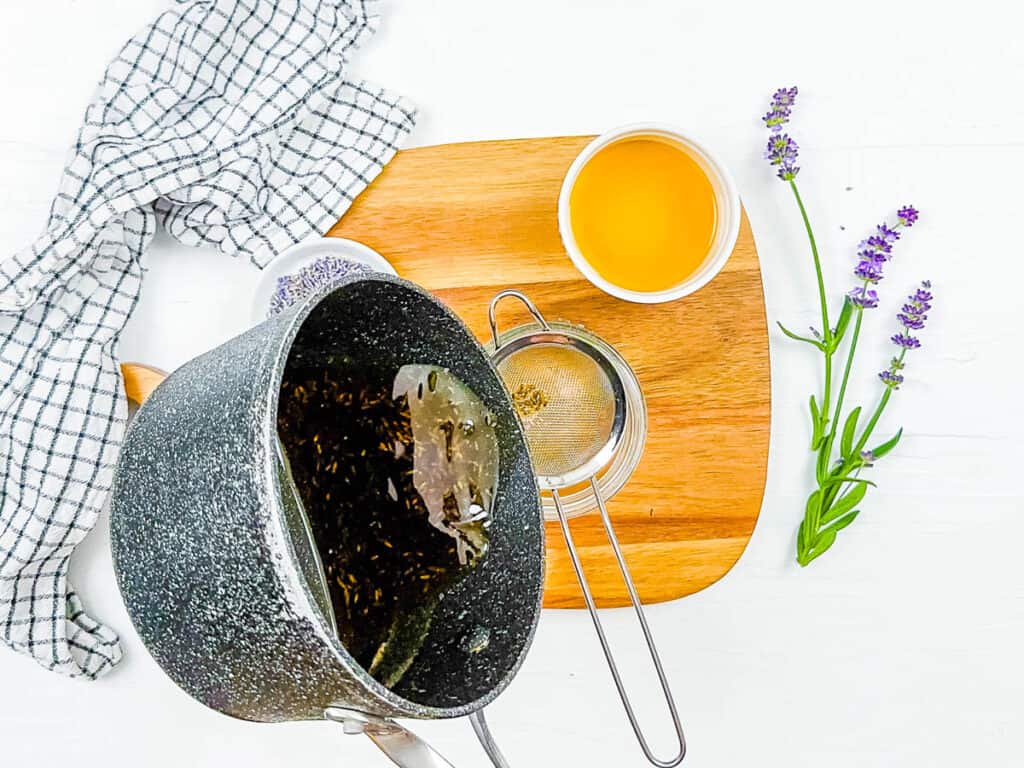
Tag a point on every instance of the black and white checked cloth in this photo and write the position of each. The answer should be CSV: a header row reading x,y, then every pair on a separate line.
x,y
232,123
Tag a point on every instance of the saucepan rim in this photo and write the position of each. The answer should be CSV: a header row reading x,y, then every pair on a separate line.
x,y
276,359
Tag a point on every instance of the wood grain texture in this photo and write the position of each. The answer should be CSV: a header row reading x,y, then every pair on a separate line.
x,y
140,381
467,220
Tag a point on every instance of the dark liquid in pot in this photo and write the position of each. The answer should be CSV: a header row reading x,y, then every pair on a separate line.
x,y
396,475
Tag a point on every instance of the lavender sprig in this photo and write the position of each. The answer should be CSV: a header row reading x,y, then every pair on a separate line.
x,y
912,318
841,456
780,109
873,254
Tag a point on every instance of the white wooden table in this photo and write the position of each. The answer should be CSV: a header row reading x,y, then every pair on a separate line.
x,y
902,645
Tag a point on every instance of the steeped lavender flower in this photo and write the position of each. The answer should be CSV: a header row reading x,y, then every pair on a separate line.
x,y
780,109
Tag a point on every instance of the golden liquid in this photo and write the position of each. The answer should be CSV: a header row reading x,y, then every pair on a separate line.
x,y
643,214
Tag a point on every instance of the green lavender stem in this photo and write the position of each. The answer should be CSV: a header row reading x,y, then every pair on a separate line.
x,y
826,326
817,260
825,498
846,379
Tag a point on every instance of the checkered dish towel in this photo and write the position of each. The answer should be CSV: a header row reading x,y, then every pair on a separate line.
x,y
231,123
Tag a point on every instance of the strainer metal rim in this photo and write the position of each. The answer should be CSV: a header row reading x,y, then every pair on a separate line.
x,y
564,336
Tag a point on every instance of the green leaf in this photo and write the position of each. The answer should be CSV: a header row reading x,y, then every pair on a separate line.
x,y
844,521
811,512
844,321
813,342
821,469
821,544
887,446
846,444
817,425
845,503
848,479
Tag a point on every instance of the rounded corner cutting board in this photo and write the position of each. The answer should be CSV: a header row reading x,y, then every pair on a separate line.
x,y
467,220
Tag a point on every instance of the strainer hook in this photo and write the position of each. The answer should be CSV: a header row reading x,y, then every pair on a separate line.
x,y
516,295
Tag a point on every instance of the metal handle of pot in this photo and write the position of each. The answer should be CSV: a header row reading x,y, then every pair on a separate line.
x,y
402,746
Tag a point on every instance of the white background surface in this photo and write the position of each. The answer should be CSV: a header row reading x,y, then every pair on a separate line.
x,y
902,645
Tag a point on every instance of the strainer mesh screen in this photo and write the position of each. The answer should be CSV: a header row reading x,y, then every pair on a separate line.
x,y
565,401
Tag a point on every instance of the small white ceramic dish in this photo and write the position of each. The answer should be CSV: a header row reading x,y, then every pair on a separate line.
x,y
305,253
727,201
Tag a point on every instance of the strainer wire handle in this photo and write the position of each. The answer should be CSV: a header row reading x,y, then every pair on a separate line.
x,y
511,292
635,599
483,734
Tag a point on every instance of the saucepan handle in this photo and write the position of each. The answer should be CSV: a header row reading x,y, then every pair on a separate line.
x,y
140,381
404,747
401,745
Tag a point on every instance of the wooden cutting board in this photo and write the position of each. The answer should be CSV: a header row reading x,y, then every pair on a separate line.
x,y
467,220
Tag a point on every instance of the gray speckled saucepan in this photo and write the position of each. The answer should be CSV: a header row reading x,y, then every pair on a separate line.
x,y
225,588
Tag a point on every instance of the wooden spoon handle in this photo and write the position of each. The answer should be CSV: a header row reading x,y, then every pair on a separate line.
x,y
140,381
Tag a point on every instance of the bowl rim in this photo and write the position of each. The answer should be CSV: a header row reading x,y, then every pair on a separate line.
x,y
727,199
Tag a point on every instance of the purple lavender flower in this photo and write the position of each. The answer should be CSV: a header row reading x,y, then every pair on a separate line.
x,y
887,233
908,215
868,271
879,258
782,152
874,251
915,311
863,297
912,322
780,109
877,243
923,295
906,341
912,318
890,379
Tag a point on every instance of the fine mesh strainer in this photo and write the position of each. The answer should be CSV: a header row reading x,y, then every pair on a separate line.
x,y
570,389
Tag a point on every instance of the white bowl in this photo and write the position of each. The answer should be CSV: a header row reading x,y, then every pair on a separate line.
x,y
727,201
301,254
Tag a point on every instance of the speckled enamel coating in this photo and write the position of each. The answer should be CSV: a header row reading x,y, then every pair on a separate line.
x,y
216,584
